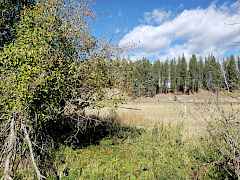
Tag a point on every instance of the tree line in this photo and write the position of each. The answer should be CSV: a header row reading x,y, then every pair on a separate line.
x,y
146,78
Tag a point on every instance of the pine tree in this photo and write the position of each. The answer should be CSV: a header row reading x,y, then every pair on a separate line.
x,y
166,76
144,75
173,75
238,66
193,74
201,72
148,81
157,75
178,66
182,74
213,74
231,73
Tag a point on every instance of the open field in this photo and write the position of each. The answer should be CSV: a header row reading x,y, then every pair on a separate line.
x,y
164,149
191,110
170,142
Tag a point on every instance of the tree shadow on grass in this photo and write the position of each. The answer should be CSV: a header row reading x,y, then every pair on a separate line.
x,y
80,132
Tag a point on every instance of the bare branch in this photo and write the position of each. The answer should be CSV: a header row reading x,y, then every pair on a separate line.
x,y
11,142
29,143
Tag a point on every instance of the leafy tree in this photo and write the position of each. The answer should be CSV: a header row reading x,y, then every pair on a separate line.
x,y
42,73
10,11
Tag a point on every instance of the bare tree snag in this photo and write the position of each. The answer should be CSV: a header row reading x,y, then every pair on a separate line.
x,y
224,76
29,143
10,145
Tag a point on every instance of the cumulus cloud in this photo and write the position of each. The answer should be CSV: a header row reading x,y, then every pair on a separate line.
x,y
199,31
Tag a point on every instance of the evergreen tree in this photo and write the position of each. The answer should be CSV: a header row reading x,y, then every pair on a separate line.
x,y
173,75
201,72
142,78
178,66
238,65
136,90
182,74
157,75
161,82
213,73
144,75
193,74
166,76
148,81
231,73
122,73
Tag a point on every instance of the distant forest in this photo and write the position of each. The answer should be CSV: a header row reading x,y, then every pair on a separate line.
x,y
179,75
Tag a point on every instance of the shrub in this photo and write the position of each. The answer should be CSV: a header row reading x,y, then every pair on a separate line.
x,y
51,63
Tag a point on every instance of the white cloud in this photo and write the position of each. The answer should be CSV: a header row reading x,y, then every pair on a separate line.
x,y
200,31
157,16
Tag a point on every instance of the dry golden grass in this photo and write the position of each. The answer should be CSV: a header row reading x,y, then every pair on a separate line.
x,y
191,110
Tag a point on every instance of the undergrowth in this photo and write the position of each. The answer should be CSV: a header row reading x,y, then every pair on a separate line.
x,y
163,152
159,153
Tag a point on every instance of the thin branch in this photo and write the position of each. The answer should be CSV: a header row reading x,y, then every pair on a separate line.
x,y
29,143
11,142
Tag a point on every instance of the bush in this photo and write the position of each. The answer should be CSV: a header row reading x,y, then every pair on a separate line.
x,y
51,63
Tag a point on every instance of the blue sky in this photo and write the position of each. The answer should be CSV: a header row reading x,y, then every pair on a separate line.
x,y
121,20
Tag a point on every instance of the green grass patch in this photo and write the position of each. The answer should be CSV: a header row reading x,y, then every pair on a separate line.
x,y
162,152
159,153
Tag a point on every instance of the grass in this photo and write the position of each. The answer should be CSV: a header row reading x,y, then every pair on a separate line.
x,y
160,153
171,144
192,110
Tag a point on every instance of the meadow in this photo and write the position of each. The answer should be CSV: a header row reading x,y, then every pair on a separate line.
x,y
146,102
159,138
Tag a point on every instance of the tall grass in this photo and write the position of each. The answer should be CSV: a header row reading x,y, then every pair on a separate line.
x,y
162,150
159,153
